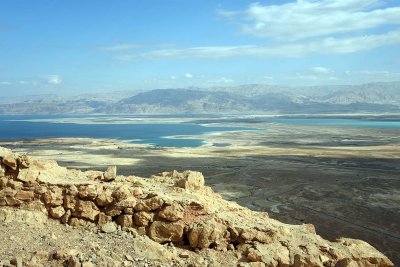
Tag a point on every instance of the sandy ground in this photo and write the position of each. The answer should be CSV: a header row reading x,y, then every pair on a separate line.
x,y
345,181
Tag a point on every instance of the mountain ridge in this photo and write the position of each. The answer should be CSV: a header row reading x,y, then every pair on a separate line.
x,y
250,98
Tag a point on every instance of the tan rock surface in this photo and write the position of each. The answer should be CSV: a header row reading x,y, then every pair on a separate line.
x,y
171,208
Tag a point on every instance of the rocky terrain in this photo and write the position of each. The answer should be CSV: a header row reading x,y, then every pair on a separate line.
x,y
251,98
53,216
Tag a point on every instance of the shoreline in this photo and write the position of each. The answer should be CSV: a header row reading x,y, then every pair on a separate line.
x,y
344,180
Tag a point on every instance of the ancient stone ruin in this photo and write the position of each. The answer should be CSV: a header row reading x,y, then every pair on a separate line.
x,y
170,207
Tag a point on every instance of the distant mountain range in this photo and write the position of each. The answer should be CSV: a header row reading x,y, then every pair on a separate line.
x,y
252,98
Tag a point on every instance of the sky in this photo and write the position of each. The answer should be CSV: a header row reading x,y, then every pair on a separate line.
x,y
74,47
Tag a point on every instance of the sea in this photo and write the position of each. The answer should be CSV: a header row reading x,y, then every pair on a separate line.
x,y
161,130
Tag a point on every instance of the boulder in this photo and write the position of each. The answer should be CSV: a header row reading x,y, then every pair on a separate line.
x,y
87,191
104,198
103,219
23,161
28,175
70,202
56,212
8,158
122,192
191,180
264,236
125,221
143,218
163,232
205,234
109,227
254,255
126,203
86,209
54,196
172,213
110,174
150,204
24,195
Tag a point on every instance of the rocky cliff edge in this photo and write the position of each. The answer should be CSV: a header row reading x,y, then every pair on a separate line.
x,y
171,208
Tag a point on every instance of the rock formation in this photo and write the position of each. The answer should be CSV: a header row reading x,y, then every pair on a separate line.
x,y
170,208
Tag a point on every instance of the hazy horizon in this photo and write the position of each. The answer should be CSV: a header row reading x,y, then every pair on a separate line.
x,y
75,47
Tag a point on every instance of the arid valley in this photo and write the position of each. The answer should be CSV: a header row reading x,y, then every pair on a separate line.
x,y
343,180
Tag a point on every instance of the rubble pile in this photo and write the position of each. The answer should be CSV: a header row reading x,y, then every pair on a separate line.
x,y
170,207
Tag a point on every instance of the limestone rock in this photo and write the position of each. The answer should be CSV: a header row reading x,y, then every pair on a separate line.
x,y
136,191
125,221
65,218
8,158
111,173
26,216
24,195
191,180
204,234
94,175
88,264
87,192
122,192
267,236
143,218
54,196
103,219
28,175
254,255
163,232
104,198
56,212
2,170
172,213
109,227
86,209
64,254
126,203
78,222
3,182
150,204
23,161
70,202
112,210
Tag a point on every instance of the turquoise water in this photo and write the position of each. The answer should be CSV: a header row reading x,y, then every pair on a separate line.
x,y
19,127
22,127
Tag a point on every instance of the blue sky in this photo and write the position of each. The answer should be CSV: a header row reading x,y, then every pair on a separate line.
x,y
73,47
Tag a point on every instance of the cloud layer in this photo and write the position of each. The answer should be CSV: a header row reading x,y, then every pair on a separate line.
x,y
305,18
296,29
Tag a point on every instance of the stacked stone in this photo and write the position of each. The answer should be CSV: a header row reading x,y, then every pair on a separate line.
x,y
106,200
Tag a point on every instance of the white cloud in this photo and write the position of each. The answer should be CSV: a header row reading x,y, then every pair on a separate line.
x,y
189,75
226,13
321,70
5,83
310,18
297,49
119,47
54,79
172,77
